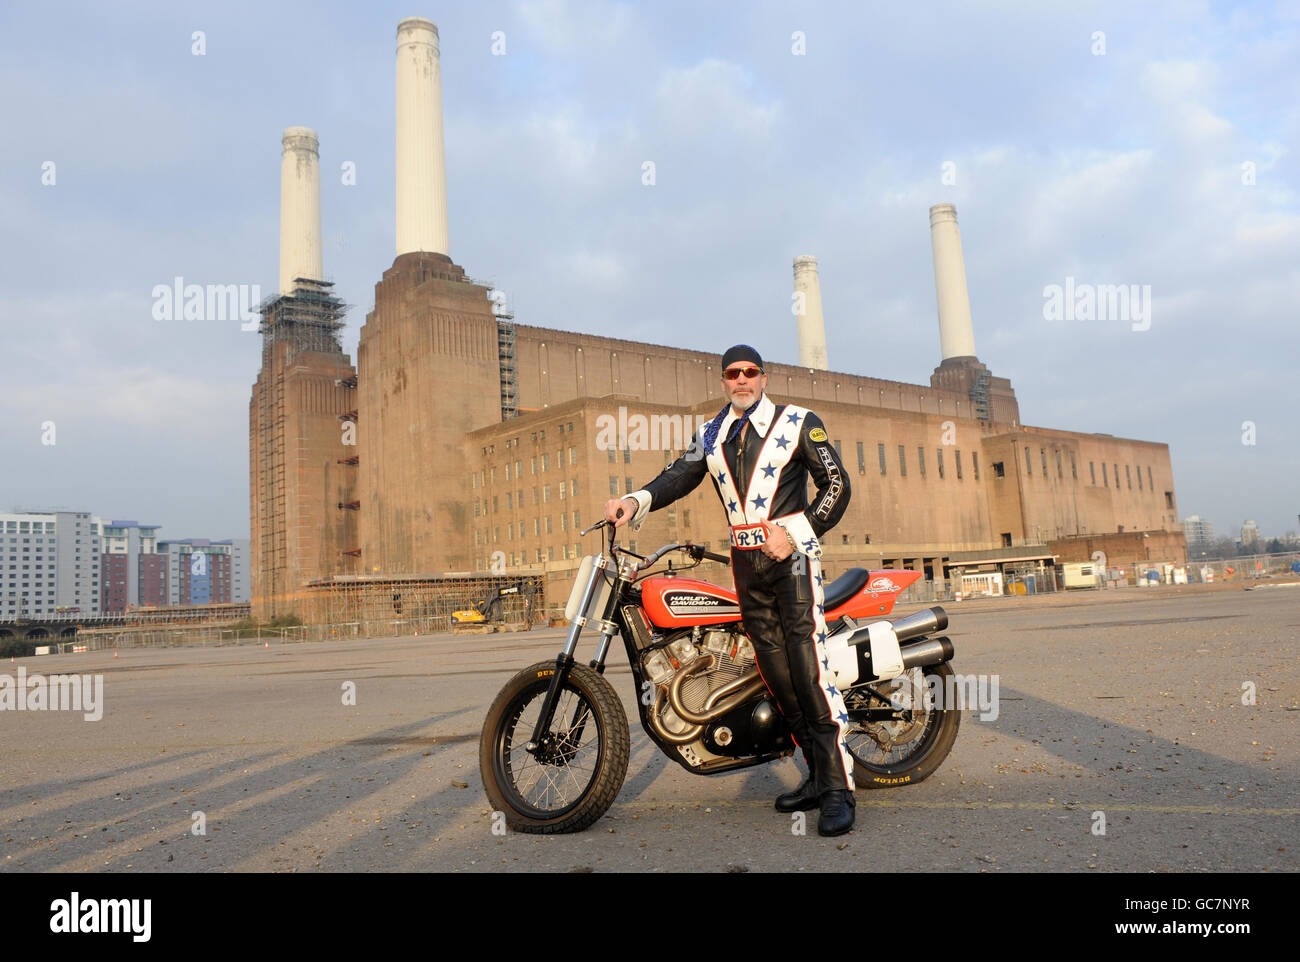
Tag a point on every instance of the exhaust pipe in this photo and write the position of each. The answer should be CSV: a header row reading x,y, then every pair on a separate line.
x,y
931,651
731,695
919,623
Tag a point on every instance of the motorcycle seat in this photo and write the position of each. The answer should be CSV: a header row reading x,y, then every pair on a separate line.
x,y
845,587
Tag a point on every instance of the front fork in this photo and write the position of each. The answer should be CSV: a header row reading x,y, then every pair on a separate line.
x,y
564,662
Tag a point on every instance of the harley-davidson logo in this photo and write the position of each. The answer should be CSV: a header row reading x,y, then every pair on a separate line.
x,y
883,584
691,603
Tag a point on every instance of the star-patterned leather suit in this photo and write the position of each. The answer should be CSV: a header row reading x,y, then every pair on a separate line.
x,y
761,474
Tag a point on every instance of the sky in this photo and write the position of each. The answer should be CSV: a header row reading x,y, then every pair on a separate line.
x,y
1150,144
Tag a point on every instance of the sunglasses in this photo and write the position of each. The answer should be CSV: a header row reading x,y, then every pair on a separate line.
x,y
734,372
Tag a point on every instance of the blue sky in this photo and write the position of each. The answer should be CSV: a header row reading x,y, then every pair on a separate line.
x,y
1118,168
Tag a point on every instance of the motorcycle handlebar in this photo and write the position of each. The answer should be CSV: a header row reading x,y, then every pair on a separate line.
x,y
720,558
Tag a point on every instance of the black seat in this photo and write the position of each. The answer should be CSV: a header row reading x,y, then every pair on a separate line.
x,y
845,587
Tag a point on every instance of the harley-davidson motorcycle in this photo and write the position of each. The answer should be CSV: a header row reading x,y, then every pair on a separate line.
x,y
554,748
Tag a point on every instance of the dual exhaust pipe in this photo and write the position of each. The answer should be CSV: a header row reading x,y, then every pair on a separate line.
x,y
922,653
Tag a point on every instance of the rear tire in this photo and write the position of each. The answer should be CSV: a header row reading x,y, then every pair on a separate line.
x,y
576,775
915,752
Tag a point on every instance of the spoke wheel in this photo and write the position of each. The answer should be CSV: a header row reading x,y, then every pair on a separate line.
x,y
576,770
891,753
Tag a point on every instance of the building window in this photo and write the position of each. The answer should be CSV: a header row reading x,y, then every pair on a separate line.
x,y
1060,472
902,461
862,460
546,494
507,470
1029,464
880,453
495,504
629,487
627,455
1116,466
1128,476
999,469
1151,484
920,463
1169,499
576,523
548,524
1006,539
562,490
534,463
537,525
519,468
1043,452
613,458
546,462
613,486
839,453
510,501
573,488
573,455
1139,474
1074,467
938,457
956,457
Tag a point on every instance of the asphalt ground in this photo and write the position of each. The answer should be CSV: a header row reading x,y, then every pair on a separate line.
x,y
1125,703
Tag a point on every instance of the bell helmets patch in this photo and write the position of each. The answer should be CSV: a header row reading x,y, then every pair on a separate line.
x,y
817,434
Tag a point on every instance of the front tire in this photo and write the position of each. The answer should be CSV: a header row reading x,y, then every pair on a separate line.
x,y
577,771
890,754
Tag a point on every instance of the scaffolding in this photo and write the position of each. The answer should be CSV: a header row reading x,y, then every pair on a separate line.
x,y
309,319
979,396
376,604
506,358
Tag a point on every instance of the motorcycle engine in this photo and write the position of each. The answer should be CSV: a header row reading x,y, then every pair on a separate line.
x,y
748,729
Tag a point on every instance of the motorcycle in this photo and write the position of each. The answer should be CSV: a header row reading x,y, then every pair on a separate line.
x,y
554,748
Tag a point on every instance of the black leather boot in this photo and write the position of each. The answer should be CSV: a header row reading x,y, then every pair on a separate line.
x,y
837,812
805,797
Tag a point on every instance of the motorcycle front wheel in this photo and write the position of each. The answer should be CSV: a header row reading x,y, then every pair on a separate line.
x,y
576,770
889,754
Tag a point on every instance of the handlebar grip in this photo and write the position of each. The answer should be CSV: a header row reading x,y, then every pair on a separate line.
x,y
722,558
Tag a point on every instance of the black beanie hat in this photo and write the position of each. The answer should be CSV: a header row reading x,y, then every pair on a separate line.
x,y
741,352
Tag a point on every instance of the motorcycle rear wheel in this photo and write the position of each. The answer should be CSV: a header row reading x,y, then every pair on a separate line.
x,y
913,751
577,772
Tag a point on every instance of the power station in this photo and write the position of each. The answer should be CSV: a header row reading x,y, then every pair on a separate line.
x,y
463,443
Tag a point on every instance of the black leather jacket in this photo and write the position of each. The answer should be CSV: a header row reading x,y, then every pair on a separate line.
x,y
770,466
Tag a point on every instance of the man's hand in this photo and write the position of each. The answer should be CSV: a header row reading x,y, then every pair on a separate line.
x,y
776,543
619,511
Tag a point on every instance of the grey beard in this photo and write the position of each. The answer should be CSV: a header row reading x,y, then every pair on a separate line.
x,y
740,405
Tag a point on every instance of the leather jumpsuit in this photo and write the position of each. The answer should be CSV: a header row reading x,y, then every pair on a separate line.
x,y
762,475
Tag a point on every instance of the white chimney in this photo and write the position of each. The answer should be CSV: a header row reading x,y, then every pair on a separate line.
x,y
421,167
956,333
300,254
808,307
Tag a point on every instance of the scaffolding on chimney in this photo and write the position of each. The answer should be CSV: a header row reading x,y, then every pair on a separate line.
x,y
309,319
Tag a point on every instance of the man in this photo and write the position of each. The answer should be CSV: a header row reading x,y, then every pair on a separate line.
x,y
759,455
